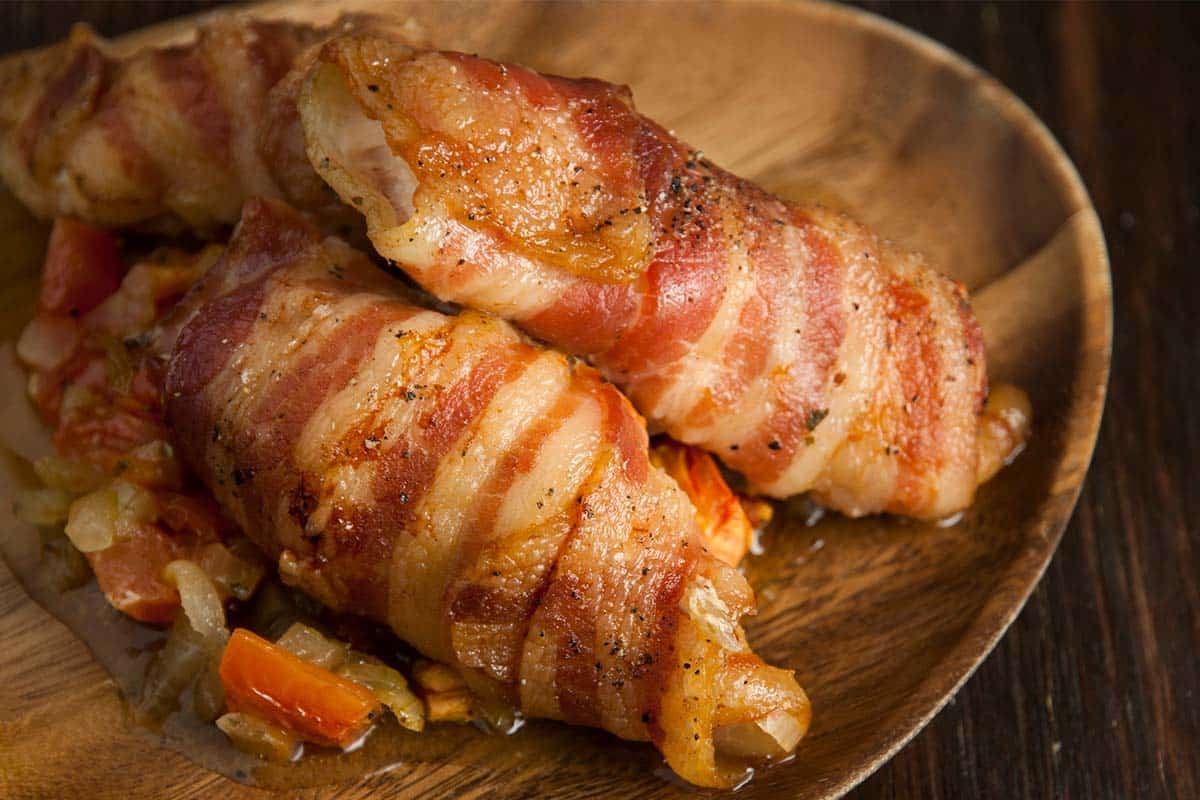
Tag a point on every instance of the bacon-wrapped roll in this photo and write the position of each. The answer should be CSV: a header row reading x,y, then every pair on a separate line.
x,y
166,139
786,340
489,499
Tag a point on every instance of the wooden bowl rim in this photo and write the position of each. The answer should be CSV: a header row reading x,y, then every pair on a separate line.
x,y
1087,397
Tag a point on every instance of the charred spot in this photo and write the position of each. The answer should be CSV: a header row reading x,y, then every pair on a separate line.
x,y
303,502
814,418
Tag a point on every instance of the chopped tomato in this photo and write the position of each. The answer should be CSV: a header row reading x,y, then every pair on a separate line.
x,y
130,574
103,437
83,267
265,680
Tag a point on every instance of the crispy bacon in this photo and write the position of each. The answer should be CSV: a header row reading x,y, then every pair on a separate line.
x,y
789,341
167,139
491,500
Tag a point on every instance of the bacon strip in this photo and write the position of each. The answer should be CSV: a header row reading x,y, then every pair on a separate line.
x,y
491,500
167,139
788,341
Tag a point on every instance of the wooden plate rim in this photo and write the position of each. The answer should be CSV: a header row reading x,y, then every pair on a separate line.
x,y
1086,406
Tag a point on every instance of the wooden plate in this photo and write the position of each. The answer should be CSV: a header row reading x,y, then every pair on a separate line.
x,y
882,619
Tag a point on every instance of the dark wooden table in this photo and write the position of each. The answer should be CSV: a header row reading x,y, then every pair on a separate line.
x,y
1095,691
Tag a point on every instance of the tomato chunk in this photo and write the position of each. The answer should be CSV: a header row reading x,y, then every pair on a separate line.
x,y
83,267
130,574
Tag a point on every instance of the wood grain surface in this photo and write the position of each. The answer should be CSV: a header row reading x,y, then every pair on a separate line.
x,y
1093,691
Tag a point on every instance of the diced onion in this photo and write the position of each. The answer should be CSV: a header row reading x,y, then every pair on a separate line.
x,y
452,706
233,575
92,521
154,465
308,643
135,506
435,677
260,738
43,506
47,341
200,601
390,687
76,477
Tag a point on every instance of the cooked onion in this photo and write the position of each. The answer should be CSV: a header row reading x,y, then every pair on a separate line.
x,y
135,506
47,341
308,643
390,688
63,566
76,477
452,706
260,738
208,693
154,465
183,656
43,506
92,521
435,677
200,601
233,575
